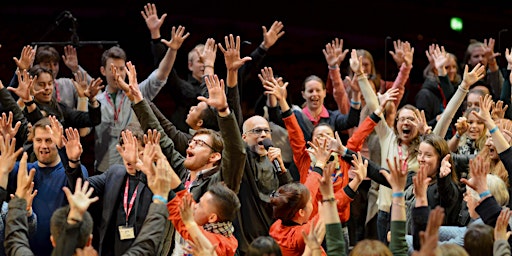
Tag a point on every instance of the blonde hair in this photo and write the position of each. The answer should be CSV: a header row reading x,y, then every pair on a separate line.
x,y
370,247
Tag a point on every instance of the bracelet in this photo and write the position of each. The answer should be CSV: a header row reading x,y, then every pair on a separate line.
x,y
355,102
485,193
493,130
331,199
457,135
28,103
159,198
333,67
398,194
208,66
74,161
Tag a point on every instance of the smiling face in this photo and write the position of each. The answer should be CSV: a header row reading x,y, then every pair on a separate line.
x,y
428,158
476,127
406,130
314,94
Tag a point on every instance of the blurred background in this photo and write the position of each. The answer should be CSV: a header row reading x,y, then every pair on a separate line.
x,y
309,25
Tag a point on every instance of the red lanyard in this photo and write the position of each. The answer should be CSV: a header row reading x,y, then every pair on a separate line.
x,y
57,93
118,110
404,164
128,208
442,95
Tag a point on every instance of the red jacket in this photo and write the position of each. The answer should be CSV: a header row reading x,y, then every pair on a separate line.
x,y
225,245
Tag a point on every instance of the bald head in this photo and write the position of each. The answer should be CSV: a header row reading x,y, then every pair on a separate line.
x,y
254,121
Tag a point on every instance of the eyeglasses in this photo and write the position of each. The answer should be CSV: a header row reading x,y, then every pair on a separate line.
x,y
201,143
258,131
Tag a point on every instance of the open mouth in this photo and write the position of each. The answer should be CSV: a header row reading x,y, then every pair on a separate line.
x,y
406,131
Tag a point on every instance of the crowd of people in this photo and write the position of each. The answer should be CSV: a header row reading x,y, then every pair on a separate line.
x,y
374,176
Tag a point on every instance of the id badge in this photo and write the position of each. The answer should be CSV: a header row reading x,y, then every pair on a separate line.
x,y
126,233
115,131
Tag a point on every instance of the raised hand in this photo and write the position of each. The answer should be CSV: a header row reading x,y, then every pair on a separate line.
x,y
472,77
484,113
25,86
129,150
430,56
273,87
6,125
187,208
440,57
446,167
25,181
72,143
360,166
177,37
421,122
326,188
56,131
489,51
209,53
508,56
84,89
216,92
232,53
70,58
160,182
81,199
152,21
478,169
313,240
28,54
271,36
498,110
334,53
8,157
500,230
355,63
318,148
335,144
389,95
420,182
397,175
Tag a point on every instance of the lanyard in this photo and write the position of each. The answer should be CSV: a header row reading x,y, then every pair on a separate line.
x,y
404,164
57,93
118,110
128,208
442,96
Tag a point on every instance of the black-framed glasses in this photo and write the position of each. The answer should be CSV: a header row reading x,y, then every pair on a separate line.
x,y
201,143
258,131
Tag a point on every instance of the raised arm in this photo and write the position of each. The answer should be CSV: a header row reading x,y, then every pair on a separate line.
x,y
334,56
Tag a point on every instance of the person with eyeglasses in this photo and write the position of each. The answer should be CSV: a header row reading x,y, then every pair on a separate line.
x,y
260,178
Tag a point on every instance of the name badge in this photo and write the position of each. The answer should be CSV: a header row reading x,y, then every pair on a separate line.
x,y
126,233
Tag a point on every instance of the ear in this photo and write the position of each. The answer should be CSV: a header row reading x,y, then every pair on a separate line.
x,y
199,123
212,218
190,65
54,244
214,157
244,136
303,95
102,70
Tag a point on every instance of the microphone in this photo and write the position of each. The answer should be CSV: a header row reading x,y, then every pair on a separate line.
x,y
267,143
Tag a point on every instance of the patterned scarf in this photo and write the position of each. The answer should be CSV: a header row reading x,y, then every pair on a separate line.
x,y
224,228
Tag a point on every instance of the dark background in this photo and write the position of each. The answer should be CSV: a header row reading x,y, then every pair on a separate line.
x,y
309,25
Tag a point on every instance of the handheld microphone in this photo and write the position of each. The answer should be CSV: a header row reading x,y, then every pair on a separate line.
x,y
267,143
